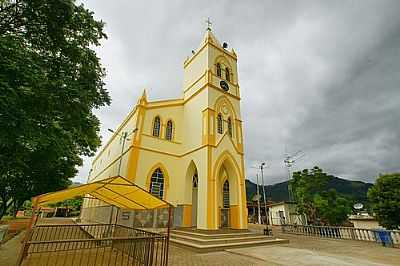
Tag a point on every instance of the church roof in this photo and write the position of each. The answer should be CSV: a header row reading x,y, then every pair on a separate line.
x,y
210,37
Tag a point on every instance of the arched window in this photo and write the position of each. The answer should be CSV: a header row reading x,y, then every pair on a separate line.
x,y
230,132
220,127
219,72
157,183
195,180
227,74
156,126
226,194
168,132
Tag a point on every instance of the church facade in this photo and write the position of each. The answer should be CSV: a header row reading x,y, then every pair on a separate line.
x,y
188,151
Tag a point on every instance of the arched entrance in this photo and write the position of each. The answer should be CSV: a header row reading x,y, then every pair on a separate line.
x,y
225,215
229,209
192,184
195,183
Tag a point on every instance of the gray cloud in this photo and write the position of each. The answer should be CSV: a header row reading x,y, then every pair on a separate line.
x,y
318,76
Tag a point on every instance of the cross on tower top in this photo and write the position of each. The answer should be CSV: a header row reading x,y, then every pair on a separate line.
x,y
208,24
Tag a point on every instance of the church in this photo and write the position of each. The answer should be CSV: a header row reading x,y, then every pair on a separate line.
x,y
187,151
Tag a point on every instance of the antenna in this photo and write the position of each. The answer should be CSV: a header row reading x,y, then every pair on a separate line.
x,y
289,161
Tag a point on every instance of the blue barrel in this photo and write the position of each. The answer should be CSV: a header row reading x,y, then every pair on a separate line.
x,y
385,238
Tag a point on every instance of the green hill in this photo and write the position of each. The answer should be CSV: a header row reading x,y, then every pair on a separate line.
x,y
354,190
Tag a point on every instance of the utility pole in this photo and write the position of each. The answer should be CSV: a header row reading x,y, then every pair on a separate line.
x,y
258,203
289,161
267,231
124,137
263,187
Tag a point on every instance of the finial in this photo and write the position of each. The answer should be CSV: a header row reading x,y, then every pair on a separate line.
x,y
208,24
143,99
144,94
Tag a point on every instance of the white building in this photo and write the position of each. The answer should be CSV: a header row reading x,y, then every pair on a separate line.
x,y
285,213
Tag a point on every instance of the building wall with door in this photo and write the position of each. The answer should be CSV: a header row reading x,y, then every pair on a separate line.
x,y
285,213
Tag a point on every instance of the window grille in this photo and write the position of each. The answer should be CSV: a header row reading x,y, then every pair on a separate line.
x,y
219,72
219,124
226,194
156,127
157,183
168,132
230,132
195,180
227,74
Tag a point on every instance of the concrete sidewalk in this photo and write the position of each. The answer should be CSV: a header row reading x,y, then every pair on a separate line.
x,y
9,251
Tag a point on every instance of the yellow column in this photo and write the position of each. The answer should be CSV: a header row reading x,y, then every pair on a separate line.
x,y
134,152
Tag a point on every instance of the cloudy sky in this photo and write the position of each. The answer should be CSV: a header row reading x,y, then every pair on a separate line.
x,y
318,76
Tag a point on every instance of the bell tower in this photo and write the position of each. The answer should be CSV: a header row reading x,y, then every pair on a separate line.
x,y
213,63
212,116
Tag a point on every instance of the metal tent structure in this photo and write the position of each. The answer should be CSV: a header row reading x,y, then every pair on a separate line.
x,y
83,244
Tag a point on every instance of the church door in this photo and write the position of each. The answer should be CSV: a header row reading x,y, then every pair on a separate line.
x,y
195,182
225,217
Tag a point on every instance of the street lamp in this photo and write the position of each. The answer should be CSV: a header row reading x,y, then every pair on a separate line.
x,y
124,136
265,199
258,203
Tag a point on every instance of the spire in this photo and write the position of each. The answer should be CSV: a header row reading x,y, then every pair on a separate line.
x,y
143,99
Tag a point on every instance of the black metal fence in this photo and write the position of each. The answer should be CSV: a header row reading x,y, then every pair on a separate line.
x,y
385,237
93,244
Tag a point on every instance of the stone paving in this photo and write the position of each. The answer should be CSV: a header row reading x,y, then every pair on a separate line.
x,y
300,251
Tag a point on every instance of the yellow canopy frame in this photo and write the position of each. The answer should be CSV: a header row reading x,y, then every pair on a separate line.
x,y
116,191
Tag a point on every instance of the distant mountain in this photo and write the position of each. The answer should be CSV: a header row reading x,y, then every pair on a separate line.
x,y
354,190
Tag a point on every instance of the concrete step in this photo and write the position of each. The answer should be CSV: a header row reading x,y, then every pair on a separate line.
x,y
219,240
206,235
203,248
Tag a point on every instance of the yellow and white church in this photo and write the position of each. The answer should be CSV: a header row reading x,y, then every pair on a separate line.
x,y
187,151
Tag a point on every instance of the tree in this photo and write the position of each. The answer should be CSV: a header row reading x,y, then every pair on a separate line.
x,y
315,200
331,208
384,198
50,82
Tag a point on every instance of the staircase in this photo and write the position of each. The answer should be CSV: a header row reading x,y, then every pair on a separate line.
x,y
208,241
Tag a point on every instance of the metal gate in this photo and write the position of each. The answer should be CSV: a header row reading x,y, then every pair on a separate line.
x,y
225,217
93,244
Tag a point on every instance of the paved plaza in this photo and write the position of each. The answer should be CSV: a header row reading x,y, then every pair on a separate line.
x,y
300,251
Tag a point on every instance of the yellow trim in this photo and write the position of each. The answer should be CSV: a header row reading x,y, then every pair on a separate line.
x,y
223,99
230,82
224,92
151,136
187,215
235,217
211,192
234,57
131,113
187,62
137,147
165,175
224,61
161,105
226,155
110,164
195,82
137,138
177,100
243,195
